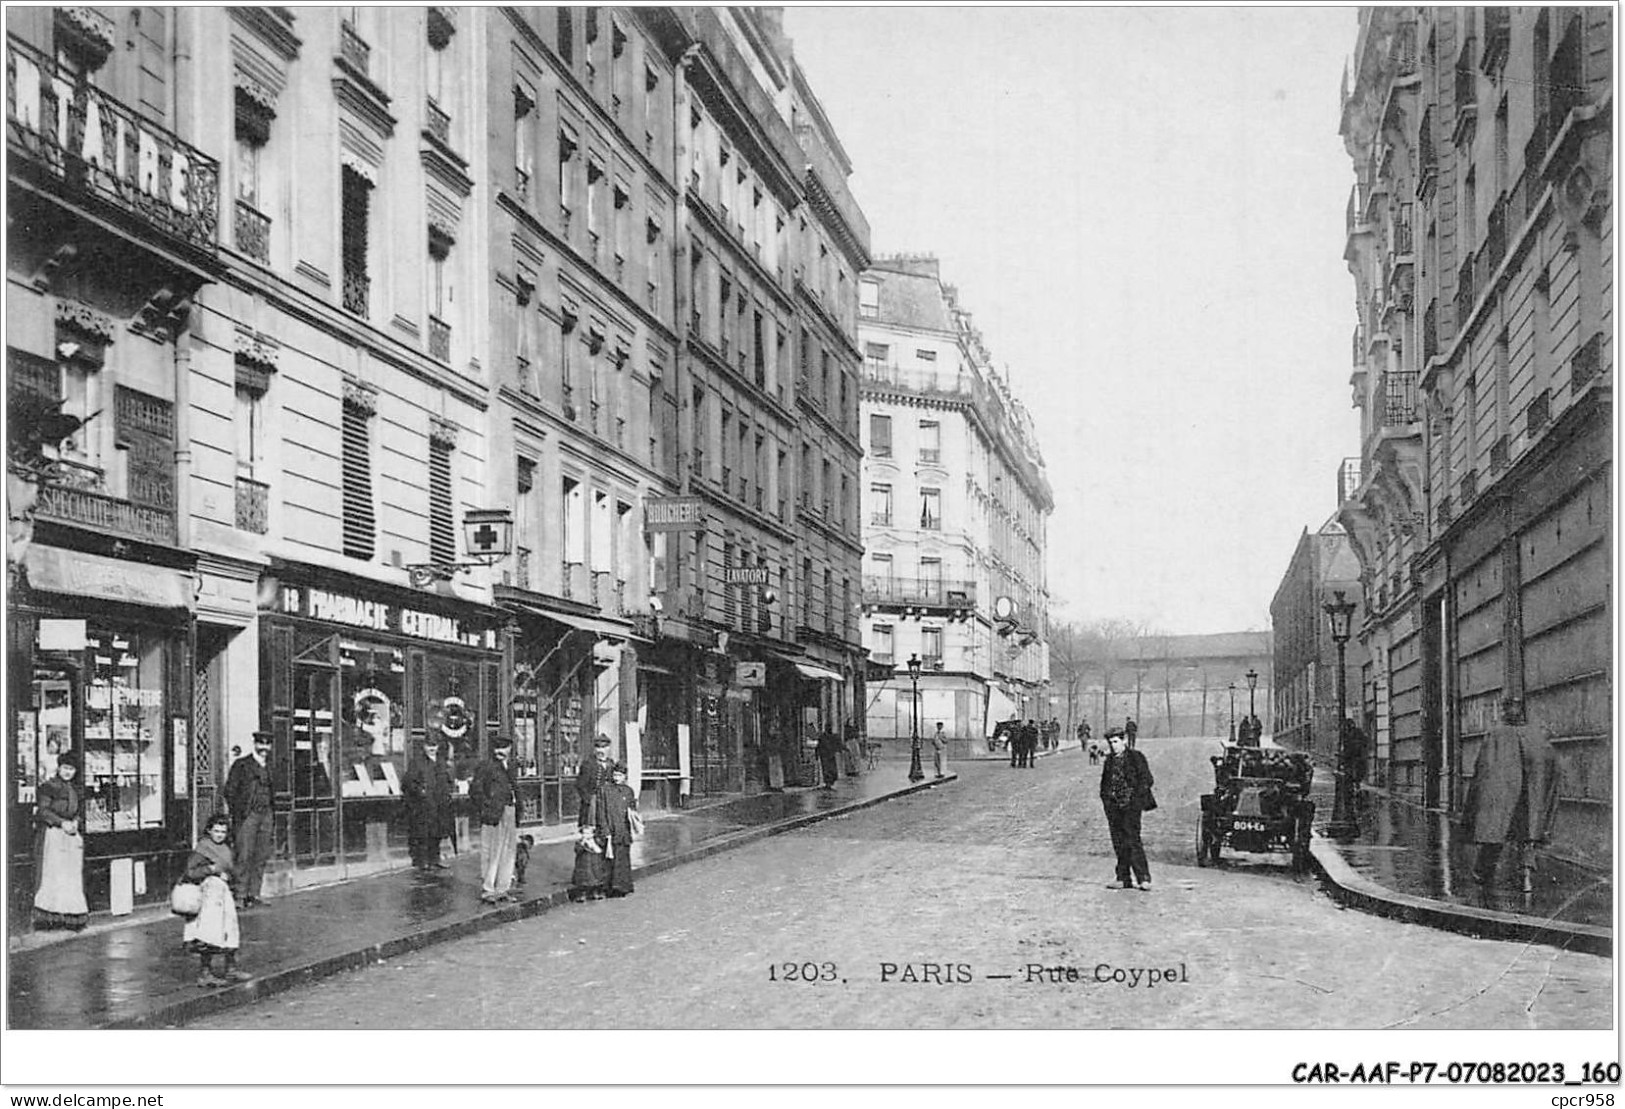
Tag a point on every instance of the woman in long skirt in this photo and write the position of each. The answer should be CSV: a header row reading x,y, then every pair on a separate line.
x,y
590,878
60,851
615,827
213,931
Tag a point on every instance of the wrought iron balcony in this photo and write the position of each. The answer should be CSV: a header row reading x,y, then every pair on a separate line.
x,y
357,292
1348,479
880,589
353,48
253,501
930,454
1402,51
436,121
439,340
91,143
253,232
880,519
1399,398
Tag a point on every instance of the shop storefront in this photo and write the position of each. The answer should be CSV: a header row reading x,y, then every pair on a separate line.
x,y
354,675
575,678
98,659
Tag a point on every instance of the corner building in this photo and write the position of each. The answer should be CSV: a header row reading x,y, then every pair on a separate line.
x,y
1480,238
956,506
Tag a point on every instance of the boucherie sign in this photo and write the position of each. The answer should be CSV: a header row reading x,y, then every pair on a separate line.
x,y
362,612
84,135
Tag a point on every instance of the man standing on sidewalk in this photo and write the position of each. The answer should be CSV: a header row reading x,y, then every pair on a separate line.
x,y
248,797
495,799
1513,794
939,749
829,747
427,789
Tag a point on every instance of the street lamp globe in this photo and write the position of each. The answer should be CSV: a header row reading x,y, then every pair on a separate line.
x,y
914,667
1252,679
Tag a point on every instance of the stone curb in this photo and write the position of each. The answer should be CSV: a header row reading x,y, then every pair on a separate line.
x,y
176,1013
1350,889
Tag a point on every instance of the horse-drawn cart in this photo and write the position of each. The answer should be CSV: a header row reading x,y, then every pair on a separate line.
x,y
1260,802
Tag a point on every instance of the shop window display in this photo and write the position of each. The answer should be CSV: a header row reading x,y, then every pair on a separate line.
x,y
123,732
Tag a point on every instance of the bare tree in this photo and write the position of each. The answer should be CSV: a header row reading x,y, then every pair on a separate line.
x,y
1068,658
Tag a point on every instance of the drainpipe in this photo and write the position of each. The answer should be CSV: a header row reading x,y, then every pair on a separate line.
x,y
182,116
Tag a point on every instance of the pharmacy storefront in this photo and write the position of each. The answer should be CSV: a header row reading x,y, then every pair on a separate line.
x,y
353,676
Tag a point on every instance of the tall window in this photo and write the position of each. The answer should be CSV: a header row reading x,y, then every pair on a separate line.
x,y
868,299
880,436
931,646
930,441
524,155
566,36
931,578
883,650
524,483
880,506
875,357
758,351
353,231
698,433
442,529
829,600
253,131
931,509
359,523
567,153
573,521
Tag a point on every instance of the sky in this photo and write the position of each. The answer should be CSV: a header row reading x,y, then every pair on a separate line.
x,y
1143,209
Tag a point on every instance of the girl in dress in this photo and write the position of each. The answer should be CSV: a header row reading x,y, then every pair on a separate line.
x,y
213,931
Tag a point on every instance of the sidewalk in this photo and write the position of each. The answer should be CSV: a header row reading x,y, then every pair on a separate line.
x,y
1413,863
138,975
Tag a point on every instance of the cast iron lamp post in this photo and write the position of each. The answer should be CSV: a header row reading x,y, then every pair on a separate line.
x,y
915,773
1341,613
1252,688
1232,712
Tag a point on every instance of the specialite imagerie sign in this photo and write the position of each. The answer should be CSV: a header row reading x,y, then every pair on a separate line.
x,y
374,615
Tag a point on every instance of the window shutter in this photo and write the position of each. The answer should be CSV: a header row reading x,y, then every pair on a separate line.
x,y
442,530
359,522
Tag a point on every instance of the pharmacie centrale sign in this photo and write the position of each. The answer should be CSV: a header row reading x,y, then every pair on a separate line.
x,y
359,612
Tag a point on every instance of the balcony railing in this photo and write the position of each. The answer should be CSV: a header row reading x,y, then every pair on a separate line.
x,y
1443,514
353,48
1348,479
573,581
1403,49
135,166
1399,398
930,454
253,232
880,519
357,292
439,340
882,589
437,122
253,499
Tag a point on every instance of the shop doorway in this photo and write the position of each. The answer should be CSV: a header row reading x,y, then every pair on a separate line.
x,y
307,799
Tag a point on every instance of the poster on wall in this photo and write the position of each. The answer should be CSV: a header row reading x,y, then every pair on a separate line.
x,y
685,775
634,757
182,762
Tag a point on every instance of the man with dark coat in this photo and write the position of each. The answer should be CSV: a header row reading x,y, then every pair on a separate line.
x,y
1125,792
427,790
1513,794
248,799
1131,731
829,746
593,774
494,795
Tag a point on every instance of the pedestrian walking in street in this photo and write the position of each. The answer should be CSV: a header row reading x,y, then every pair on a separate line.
x,y
1029,744
248,799
851,747
214,931
426,788
939,750
1131,731
494,796
59,850
1513,795
594,772
829,748
1125,792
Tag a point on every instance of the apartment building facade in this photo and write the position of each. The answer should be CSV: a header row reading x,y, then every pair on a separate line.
x,y
1304,659
413,293
956,507
1480,235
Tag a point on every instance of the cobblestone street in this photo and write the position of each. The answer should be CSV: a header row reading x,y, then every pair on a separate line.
x,y
907,910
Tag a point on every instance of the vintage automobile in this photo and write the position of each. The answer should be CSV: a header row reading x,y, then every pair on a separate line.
x,y
1260,802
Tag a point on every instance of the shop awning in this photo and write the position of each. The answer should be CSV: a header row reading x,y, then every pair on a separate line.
x,y
818,673
55,570
603,629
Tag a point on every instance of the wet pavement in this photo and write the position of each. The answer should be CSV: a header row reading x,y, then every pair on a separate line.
x,y
933,911
139,975
1425,860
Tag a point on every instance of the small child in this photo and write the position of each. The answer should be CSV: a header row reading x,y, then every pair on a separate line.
x,y
521,858
213,931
